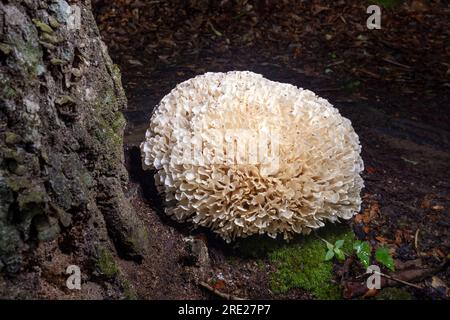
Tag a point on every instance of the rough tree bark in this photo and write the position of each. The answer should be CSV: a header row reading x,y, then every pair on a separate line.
x,y
61,167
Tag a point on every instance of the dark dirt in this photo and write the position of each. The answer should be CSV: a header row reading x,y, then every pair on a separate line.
x,y
393,84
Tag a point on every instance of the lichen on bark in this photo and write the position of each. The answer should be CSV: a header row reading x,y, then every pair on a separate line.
x,y
61,128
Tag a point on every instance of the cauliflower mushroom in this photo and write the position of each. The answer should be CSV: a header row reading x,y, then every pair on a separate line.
x,y
244,155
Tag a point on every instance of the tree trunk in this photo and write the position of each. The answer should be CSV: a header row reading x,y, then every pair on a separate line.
x,y
61,170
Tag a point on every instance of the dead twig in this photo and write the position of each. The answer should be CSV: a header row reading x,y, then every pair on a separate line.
x,y
395,63
335,63
393,279
355,289
416,241
416,245
225,296
369,73
398,280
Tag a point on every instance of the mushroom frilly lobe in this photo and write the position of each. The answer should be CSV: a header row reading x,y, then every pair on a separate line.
x,y
243,155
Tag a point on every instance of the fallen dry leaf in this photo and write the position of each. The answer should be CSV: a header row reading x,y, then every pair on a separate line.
x,y
440,253
374,210
409,264
219,284
359,218
370,293
381,239
398,237
419,6
439,284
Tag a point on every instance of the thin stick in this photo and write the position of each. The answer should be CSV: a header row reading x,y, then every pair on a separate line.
x,y
393,279
370,73
225,296
380,273
398,280
395,63
416,241
335,63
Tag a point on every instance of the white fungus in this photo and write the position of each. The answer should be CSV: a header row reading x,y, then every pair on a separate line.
x,y
244,155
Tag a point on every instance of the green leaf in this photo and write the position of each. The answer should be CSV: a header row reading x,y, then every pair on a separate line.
x,y
330,246
357,245
363,251
339,243
339,254
329,255
382,256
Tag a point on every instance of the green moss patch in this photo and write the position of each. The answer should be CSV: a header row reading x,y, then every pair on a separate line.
x,y
106,264
128,290
300,263
108,269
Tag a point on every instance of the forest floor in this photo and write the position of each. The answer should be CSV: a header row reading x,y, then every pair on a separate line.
x,y
393,84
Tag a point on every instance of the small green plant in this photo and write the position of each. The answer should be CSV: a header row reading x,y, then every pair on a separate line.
x,y
335,250
363,251
383,256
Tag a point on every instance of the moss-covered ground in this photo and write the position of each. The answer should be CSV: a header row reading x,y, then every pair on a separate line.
x,y
301,262
106,264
